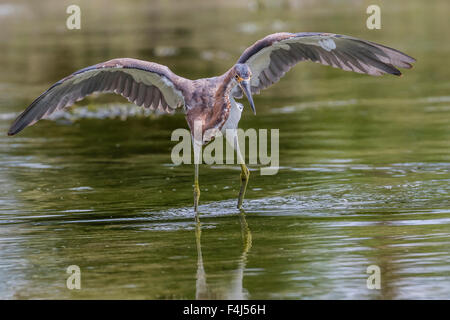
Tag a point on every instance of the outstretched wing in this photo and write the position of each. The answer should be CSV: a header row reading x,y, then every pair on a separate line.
x,y
270,58
144,83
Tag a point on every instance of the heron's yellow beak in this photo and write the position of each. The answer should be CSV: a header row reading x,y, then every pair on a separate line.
x,y
245,85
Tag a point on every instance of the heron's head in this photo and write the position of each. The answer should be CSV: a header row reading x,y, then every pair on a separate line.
x,y
242,75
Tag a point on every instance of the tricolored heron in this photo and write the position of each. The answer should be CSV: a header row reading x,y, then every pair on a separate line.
x,y
211,102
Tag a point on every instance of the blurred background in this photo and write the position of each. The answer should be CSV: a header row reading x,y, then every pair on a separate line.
x,y
364,177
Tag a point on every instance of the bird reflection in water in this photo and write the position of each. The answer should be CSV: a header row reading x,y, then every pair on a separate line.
x,y
236,290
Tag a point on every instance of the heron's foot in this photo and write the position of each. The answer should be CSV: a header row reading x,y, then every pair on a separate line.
x,y
196,196
245,175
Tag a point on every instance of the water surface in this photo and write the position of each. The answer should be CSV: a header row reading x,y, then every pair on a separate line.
x,y
364,177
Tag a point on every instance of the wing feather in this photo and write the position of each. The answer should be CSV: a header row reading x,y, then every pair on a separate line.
x,y
270,58
141,82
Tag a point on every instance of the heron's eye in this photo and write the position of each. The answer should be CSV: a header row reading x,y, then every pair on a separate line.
x,y
237,77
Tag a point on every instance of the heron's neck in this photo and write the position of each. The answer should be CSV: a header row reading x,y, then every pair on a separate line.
x,y
222,103
229,82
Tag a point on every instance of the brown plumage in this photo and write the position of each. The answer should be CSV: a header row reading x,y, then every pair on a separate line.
x,y
211,101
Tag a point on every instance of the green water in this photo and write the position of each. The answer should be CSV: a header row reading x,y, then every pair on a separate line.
x,y
364,161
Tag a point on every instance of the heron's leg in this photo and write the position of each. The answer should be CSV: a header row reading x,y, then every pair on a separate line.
x,y
245,175
197,154
196,189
